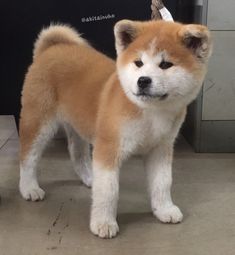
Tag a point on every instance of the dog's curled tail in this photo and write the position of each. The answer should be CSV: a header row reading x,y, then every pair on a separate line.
x,y
56,34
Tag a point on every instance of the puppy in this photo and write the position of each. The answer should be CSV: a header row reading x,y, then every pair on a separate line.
x,y
133,106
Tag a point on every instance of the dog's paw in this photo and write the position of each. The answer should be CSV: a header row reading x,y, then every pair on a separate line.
x,y
169,214
32,193
85,175
87,180
104,229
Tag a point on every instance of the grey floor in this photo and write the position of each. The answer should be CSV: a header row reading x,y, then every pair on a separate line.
x,y
204,188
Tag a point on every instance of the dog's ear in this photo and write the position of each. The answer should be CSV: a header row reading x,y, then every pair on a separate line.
x,y
125,32
197,39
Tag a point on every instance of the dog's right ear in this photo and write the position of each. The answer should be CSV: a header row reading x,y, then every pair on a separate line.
x,y
125,32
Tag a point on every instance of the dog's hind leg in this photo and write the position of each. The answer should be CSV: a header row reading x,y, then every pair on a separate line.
x,y
33,139
80,155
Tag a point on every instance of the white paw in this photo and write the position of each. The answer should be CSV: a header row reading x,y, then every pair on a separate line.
x,y
169,214
32,192
87,180
85,175
104,229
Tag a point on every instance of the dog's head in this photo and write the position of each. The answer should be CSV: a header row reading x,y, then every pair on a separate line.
x,y
159,61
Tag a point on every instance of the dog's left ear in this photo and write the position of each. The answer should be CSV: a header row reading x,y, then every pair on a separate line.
x,y
125,32
197,39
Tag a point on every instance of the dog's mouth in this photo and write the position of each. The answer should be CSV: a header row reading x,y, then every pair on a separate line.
x,y
146,96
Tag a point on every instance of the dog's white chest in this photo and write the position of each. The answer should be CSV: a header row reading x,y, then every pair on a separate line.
x,y
141,135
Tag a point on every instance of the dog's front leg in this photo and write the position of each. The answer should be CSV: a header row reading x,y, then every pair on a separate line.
x,y
159,175
105,193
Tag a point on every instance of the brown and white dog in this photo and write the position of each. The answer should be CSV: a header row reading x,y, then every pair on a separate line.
x,y
135,106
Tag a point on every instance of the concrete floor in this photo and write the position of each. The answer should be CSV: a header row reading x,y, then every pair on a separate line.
x,y
204,188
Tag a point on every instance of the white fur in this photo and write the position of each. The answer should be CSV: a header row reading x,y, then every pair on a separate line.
x,y
105,190
28,185
180,85
159,175
141,135
79,151
151,134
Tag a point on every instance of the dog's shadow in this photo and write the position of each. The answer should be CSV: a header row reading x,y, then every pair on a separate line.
x,y
125,220
129,218
62,183
54,186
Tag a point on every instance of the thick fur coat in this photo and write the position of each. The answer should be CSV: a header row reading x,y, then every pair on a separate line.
x,y
133,106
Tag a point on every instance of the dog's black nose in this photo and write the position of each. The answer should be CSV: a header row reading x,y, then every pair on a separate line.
x,y
144,82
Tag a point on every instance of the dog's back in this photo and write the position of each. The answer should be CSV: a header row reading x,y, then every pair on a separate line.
x,y
62,59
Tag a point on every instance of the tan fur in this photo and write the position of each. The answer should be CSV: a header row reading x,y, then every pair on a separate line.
x,y
168,36
137,106
54,35
68,80
72,81
114,109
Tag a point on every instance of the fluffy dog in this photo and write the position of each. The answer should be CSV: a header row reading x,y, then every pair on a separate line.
x,y
133,106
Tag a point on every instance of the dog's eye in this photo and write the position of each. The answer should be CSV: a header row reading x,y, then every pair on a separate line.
x,y
138,63
165,65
